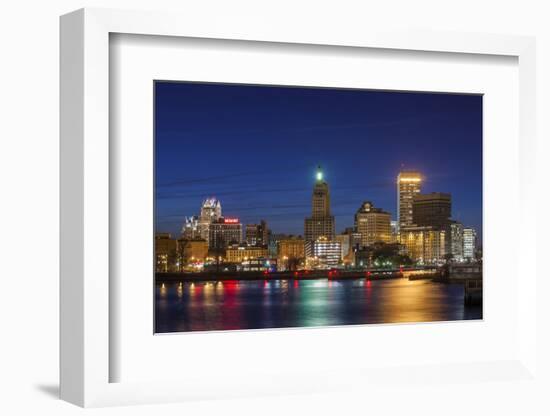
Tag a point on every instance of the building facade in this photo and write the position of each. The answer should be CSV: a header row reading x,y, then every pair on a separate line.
x,y
321,222
456,230
223,232
291,248
273,241
191,228
257,234
345,243
409,184
394,231
469,237
323,253
291,253
239,253
192,250
373,224
348,247
211,211
423,244
166,253
432,209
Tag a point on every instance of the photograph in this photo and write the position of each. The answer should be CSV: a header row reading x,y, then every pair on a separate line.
x,y
253,207
300,206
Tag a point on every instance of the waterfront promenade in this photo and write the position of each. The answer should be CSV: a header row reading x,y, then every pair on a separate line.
x,y
334,274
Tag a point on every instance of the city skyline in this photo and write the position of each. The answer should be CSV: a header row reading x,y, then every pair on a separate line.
x,y
303,232
272,190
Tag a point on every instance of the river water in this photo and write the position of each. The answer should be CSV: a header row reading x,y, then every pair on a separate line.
x,y
208,306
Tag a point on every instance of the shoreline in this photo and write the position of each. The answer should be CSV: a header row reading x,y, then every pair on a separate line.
x,y
301,275
310,275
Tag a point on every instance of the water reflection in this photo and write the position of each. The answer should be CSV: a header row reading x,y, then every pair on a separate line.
x,y
205,306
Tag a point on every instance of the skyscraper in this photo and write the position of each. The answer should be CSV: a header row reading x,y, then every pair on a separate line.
x,y
191,228
409,184
373,224
432,209
321,222
211,211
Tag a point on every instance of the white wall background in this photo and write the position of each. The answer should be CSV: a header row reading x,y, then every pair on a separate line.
x,y
29,205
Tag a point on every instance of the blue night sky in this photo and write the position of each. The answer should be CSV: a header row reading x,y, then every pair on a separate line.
x,y
256,148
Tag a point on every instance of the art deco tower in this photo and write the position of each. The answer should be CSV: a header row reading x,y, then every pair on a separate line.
x,y
211,211
321,223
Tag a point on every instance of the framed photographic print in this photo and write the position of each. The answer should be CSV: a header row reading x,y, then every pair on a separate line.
x,y
303,210
281,212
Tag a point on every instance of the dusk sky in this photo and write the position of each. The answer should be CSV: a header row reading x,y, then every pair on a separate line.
x,y
256,149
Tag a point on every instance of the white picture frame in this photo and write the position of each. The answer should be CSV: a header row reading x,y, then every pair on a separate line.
x,y
85,201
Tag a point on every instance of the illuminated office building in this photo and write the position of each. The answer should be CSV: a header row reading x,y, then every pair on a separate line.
x,y
409,184
323,252
238,253
191,228
456,229
321,222
223,232
432,209
373,224
211,211
423,244
257,234
469,243
394,232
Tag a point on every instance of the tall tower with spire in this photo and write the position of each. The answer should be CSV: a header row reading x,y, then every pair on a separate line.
x,y
321,222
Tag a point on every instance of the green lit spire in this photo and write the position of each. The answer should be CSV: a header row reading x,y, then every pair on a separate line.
x,y
319,174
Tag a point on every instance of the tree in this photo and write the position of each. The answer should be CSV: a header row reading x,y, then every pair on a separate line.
x,y
294,263
388,255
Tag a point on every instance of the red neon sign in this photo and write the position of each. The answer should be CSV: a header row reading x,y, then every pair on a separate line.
x,y
231,220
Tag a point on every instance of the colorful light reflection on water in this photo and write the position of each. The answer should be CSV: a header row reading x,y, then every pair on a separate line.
x,y
234,304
